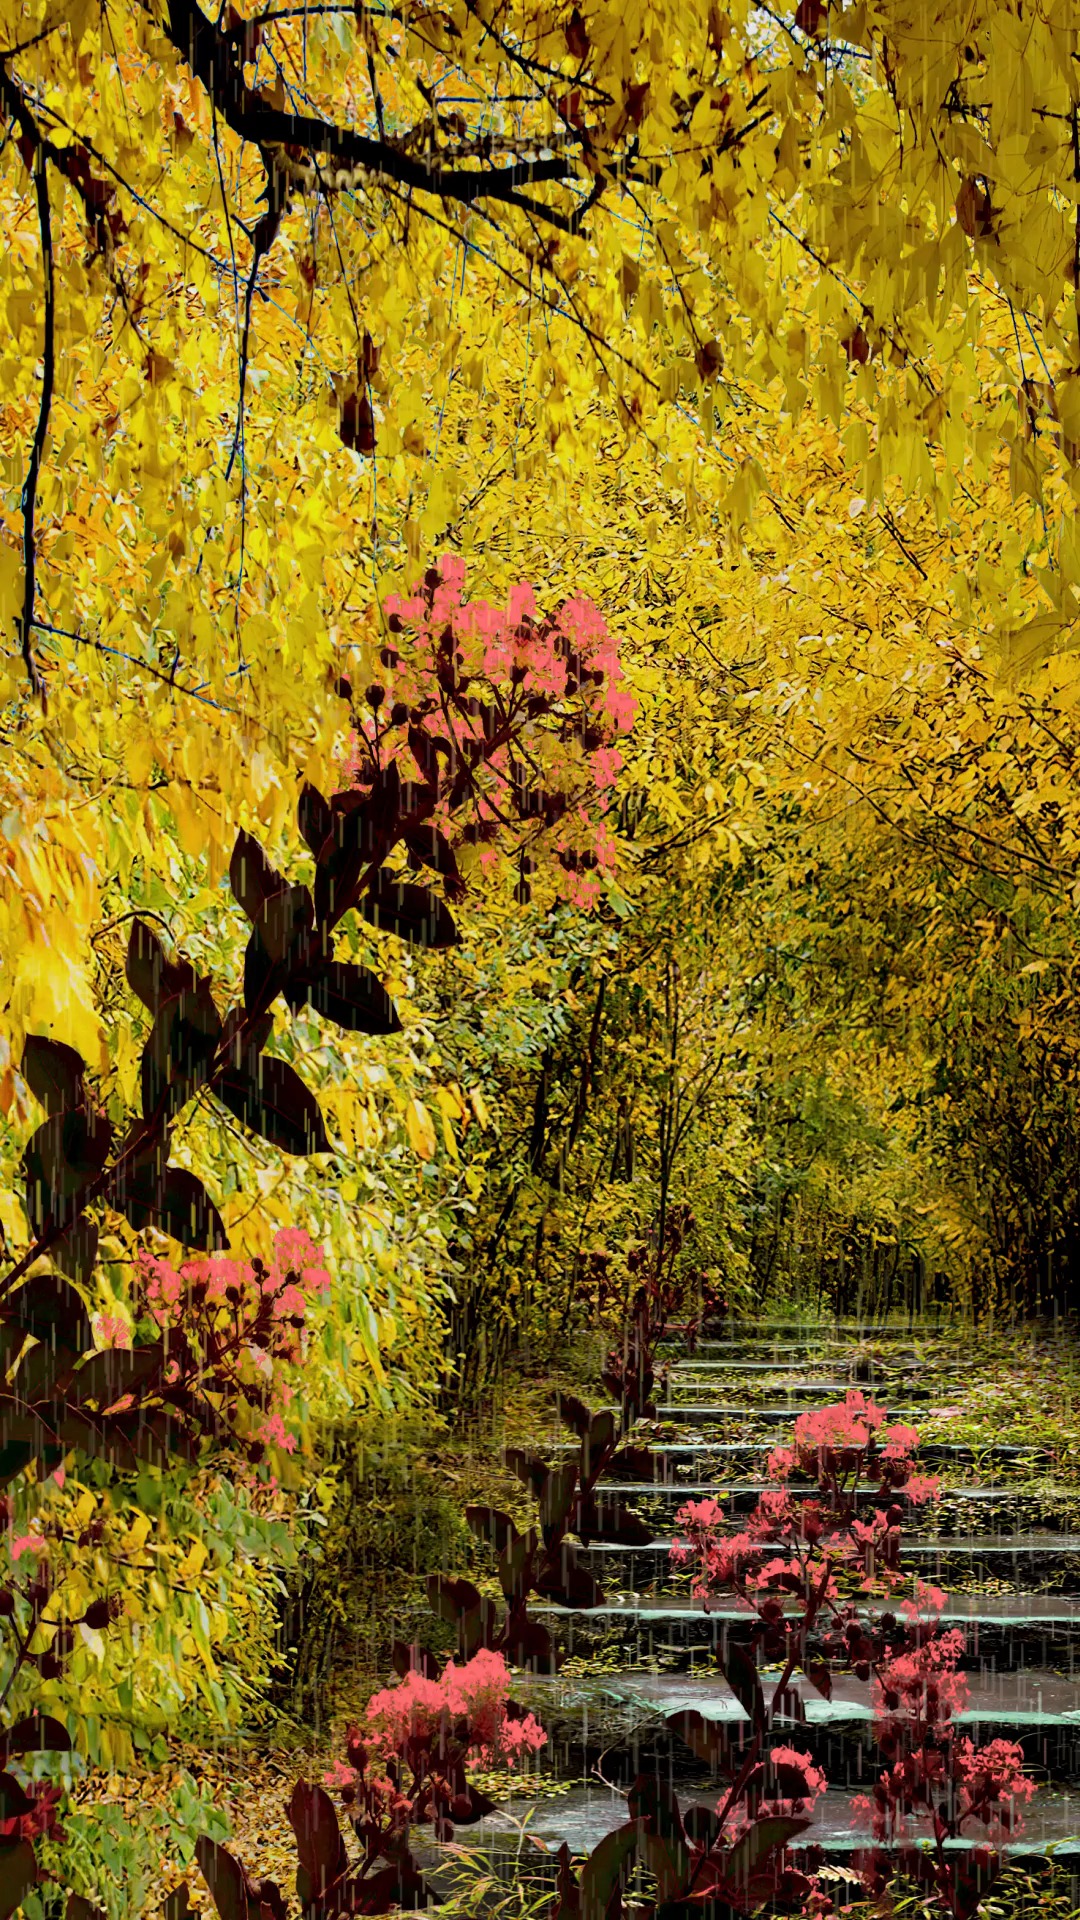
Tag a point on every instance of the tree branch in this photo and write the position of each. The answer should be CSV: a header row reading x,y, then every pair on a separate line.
x,y
215,59
34,156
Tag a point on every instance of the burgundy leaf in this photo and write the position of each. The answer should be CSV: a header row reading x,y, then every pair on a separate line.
x,y
251,877
273,1101
151,975
314,818
179,1053
411,912
54,1073
349,995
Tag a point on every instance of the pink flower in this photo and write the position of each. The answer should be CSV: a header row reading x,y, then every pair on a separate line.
x,y
28,1543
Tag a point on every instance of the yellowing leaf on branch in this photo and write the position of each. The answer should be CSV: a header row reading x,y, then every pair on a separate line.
x,y
420,1128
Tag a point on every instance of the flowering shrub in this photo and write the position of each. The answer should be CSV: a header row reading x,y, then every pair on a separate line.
x,y
504,714
803,1566
407,1766
229,1328
936,1775
849,1442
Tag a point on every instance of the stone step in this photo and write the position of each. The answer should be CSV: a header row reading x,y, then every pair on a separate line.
x,y
824,1332
624,1718
1007,1630
739,1496
585,1814
1018,1557
772,1382
786,1357
695,1454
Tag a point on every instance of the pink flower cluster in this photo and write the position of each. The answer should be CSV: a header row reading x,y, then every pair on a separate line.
x,y
229,1327
516,713
851,1438
478,1692
412,1760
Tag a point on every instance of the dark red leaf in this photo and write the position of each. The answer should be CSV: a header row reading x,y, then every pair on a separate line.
x,y
577,38
558,1492
323,1858
357,422
349,995
62,1159
157,1195
450,1599
151,975
489,1524
411,912
529,1645
18,1873
280,944
54,1073
432,849
225,1878
528,1467
568,1583
51,1310
36,1733
741,1674
605,1518
179,1053
273,1101
253,880
108,1376
314,818
76,1250
79,1909
573,1413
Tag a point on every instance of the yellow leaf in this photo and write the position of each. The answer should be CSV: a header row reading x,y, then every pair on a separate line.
x,y
420,1128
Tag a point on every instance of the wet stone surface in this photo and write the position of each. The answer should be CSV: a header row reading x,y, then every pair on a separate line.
x,y
650,1652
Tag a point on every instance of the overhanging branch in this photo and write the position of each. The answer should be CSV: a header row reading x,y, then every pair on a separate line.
x,y
215,58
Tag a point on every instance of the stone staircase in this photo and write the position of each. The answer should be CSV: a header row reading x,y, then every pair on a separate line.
x,y
650,1652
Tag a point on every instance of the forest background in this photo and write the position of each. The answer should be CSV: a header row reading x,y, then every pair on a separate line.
x,y
761,332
